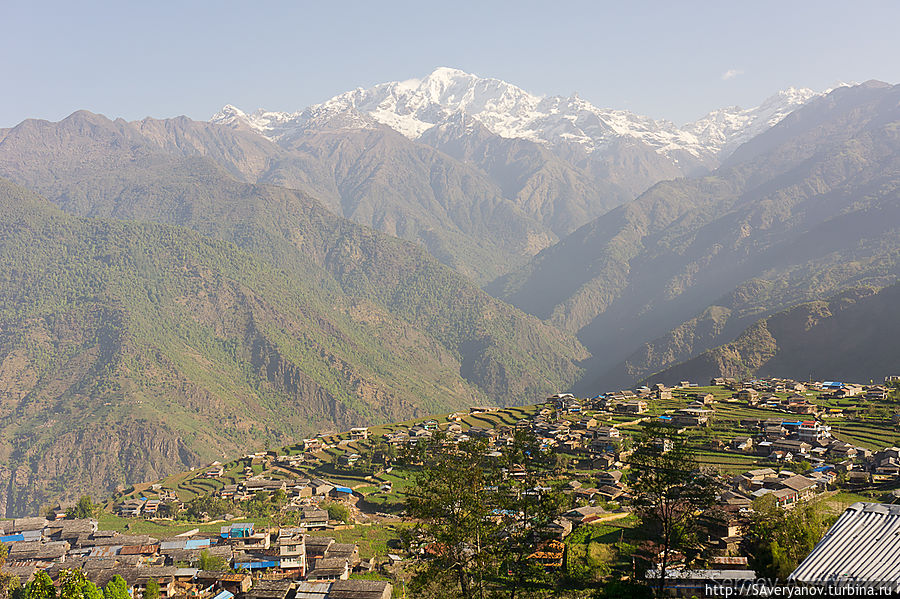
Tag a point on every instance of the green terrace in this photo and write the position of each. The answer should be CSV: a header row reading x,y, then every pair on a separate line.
x,y
191,484
869,427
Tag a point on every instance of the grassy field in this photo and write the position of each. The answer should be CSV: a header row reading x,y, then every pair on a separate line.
x,y
375,540
164,528
593,550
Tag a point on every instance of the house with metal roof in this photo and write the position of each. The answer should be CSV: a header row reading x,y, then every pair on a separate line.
x,y
860,549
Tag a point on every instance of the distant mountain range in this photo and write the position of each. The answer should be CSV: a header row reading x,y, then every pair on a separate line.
x,y
799,213
513,172
249,314
571,126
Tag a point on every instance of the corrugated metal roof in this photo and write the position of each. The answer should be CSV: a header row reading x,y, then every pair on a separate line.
x,y
312,590
106,551
164,545
861,547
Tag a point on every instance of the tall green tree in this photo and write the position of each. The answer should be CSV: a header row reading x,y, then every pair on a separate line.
x,y
670,490
453,505
526,505
778,539
71,584
214,563
151,591
40,587
91,591
85,508
116,588
336,511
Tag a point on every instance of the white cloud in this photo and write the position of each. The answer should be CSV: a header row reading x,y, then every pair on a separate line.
x,y
731,74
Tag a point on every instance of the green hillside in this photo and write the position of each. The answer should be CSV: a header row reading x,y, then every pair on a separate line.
x,y
132,350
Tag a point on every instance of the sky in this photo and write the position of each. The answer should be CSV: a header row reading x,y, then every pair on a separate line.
x,y
671,60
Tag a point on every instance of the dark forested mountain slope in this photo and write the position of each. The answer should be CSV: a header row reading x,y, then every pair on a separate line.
x,y
801,212
853,336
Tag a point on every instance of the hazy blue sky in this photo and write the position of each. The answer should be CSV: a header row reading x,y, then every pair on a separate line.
x,y
664,59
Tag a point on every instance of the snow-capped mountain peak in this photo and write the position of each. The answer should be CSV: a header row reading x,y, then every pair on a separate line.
x,y
414,106
727,128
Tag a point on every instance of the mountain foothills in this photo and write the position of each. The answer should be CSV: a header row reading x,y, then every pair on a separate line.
x,y
173,291
128,349
799,213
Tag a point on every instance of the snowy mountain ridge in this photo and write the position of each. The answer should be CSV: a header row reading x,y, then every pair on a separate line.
x,y
413,106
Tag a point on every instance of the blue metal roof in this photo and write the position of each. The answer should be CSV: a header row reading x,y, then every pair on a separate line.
x,y
12,538
257,565
344,489
224,595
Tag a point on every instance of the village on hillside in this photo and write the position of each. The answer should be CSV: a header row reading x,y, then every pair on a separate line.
x,y
324,518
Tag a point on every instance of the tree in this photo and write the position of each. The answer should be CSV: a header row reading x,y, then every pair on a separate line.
x,y
116,588
40,587
85,508
778,539
151,591
279,497
169,509
8,582
452,503
669,491
215,563
525,506
71,584
336,511
91,591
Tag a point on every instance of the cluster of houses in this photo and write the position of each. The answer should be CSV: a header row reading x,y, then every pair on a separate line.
x,y
291,558
252,563
301,495
298,490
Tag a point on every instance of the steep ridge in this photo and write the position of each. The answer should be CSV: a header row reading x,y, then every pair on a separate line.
x,y
375,177
802,211
853,336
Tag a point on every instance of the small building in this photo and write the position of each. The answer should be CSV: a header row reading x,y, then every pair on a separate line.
x,y
341,493
636,406
330,569
360,589
742,444
361,432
